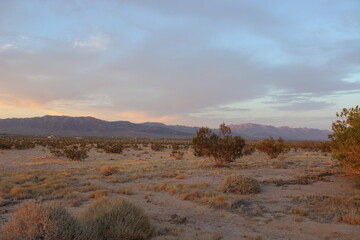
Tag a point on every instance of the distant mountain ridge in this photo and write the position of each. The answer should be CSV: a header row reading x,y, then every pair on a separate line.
x,y
90,126
258,131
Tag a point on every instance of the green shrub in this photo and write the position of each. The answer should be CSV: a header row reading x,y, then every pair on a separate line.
x,y
271,147
237,183
117,219
345,141
34,220
223,148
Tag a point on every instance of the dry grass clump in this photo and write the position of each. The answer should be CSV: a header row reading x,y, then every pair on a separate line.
x,y
25,184
237,183
89,187
352,218
108,170
125,191
17,192
332,208
47,221
300,211
117,219
99,194
209,198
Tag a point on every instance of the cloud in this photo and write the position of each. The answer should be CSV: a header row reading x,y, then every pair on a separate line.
x,y
94,43
305,106
7,47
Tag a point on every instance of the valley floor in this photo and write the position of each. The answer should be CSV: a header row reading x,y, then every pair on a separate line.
x,y
304,195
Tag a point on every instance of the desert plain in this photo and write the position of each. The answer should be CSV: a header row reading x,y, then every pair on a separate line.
x,y
304,194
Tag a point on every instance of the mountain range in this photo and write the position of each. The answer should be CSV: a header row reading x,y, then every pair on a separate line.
x,y
89,126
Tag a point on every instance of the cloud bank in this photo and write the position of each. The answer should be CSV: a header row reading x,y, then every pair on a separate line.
x,y
181,62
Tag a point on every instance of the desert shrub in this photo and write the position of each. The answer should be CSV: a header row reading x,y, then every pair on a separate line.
x,y
23,145
5,144
237,183
223,148
75,153
117,219
108,170
113,148
271,147
157,146
345,141
34,220
56,152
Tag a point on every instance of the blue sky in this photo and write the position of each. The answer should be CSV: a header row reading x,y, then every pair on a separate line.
x,y
284,63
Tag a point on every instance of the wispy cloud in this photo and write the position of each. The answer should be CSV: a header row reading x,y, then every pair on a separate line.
x,y
94,43
8,47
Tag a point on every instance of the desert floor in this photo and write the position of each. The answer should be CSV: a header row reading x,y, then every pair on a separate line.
x,y
304,195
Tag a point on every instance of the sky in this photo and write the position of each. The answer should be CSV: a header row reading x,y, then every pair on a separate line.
x,y
189,62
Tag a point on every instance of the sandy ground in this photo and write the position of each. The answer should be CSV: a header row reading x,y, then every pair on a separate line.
x,y
287,184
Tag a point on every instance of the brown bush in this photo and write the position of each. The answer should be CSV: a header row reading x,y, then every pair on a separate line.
x,y
34,220
75,153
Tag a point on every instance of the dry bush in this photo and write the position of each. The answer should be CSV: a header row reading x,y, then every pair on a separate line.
x,y
46,221
237,183
108,170
113,148
75,153
117,219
